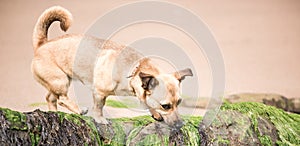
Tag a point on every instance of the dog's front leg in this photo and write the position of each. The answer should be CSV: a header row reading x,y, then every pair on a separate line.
x,y
99,102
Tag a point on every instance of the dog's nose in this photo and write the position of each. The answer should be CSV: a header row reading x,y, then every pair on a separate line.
x,y
157,117
178,124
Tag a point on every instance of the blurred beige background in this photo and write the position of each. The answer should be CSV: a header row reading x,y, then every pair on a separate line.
x,y
259,40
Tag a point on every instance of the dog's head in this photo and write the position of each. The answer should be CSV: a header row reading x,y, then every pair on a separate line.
x,y
162,95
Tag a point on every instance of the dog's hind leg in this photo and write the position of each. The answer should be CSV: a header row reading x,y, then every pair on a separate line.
x,y
60,86
57,83
99,102
52,102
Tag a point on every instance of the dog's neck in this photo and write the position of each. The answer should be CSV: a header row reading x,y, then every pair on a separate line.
x,y
145,65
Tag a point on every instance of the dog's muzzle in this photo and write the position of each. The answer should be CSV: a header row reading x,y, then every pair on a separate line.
x,y
173,119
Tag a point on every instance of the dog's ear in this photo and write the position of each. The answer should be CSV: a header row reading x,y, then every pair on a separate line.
x,y
148,81
180,75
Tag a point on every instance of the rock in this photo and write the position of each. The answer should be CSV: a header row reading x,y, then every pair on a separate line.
x,y
235,124
58,128
41,128
229,128
255,97
294,105
251,124
277,100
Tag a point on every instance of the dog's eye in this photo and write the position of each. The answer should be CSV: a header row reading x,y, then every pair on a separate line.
x,y
179,101
166,106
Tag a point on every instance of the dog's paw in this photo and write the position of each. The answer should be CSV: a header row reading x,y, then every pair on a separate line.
x,y
84,111
101,120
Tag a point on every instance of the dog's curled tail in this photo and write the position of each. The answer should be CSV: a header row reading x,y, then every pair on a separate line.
x,y
55,13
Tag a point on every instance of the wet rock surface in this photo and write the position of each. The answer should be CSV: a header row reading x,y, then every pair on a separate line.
x,y
251,124
40,128
234,124
234,128
8,136
57,128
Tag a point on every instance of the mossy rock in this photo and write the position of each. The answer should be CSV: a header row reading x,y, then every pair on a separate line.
x,y
235,124
46,128
276,100
251,124
58,128
157,134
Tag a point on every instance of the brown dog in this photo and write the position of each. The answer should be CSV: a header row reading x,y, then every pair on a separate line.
x,y
116,70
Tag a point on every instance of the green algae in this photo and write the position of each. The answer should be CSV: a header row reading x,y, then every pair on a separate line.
x,y
37,104
153,140
75,118
190,130
133,133
19,123
137,121
120,125
118,104
152,134
190,134
119,134
287,125
228,126
145,134
16,119
79,120
35,138
194,120
94,135
222,141
265,140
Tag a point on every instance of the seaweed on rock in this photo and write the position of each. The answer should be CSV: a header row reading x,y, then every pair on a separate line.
x,y
235,124
250,123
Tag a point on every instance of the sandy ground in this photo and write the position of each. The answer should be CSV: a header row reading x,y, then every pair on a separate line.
x,y
259,41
